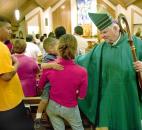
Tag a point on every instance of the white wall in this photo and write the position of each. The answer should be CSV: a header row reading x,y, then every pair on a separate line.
x,y
128,13
137,18
34,21
22,29
47,14
73,15
120,9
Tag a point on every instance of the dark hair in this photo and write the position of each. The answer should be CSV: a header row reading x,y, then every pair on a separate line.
x,y
78,30
41,38
138,34
59,31
7,42
29,38
19,46
67,46
45,35
37,36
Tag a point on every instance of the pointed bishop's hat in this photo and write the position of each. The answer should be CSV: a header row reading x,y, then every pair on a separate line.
x,y
101,20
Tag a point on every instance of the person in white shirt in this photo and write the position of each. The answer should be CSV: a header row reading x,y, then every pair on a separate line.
x,y
32,50
81,42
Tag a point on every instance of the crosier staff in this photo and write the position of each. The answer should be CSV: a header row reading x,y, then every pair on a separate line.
x,y
132,46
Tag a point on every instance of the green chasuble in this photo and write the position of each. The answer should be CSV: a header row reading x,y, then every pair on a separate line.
x,y
112,98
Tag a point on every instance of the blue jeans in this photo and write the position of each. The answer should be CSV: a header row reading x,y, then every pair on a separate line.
x,y
57,113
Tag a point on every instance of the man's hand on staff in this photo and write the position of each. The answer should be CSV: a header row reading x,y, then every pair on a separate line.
x,y
138,66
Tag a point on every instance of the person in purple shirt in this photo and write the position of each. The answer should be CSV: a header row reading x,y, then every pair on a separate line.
x,y
67,86
28,68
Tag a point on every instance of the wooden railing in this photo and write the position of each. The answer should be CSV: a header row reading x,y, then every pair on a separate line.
x,y
32,100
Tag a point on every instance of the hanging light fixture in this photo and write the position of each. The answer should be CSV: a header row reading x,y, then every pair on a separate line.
x,y
17,14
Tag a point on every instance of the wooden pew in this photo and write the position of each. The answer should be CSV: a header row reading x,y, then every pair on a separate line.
x,y
32,101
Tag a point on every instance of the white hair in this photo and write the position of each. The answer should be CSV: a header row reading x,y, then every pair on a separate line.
x,y
114,26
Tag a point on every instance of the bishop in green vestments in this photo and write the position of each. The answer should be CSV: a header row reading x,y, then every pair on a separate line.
x,y
113,98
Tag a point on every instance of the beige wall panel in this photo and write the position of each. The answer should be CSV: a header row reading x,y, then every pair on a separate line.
x,y
62,16
106,7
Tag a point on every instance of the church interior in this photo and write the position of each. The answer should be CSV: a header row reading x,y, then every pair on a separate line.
x,y
40,18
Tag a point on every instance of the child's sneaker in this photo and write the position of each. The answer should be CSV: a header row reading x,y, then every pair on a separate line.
x,y
37,123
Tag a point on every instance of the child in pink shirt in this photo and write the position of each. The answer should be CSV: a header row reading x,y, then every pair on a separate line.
x,y
28,68
50,47
67,86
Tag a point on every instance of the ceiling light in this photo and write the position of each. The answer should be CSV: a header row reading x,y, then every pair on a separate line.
x,y
63,6
17,14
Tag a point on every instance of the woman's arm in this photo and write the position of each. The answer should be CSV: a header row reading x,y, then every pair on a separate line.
x,y
52,65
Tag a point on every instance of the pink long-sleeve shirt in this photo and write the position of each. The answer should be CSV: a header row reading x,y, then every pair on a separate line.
x,y
66,85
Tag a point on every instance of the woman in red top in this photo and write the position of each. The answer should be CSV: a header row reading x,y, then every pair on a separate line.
x,y
67,86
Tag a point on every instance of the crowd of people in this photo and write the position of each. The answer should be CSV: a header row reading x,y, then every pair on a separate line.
x,y
101,83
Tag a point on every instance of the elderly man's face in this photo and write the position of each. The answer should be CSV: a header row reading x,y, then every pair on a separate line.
x,y
5,31
110,34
